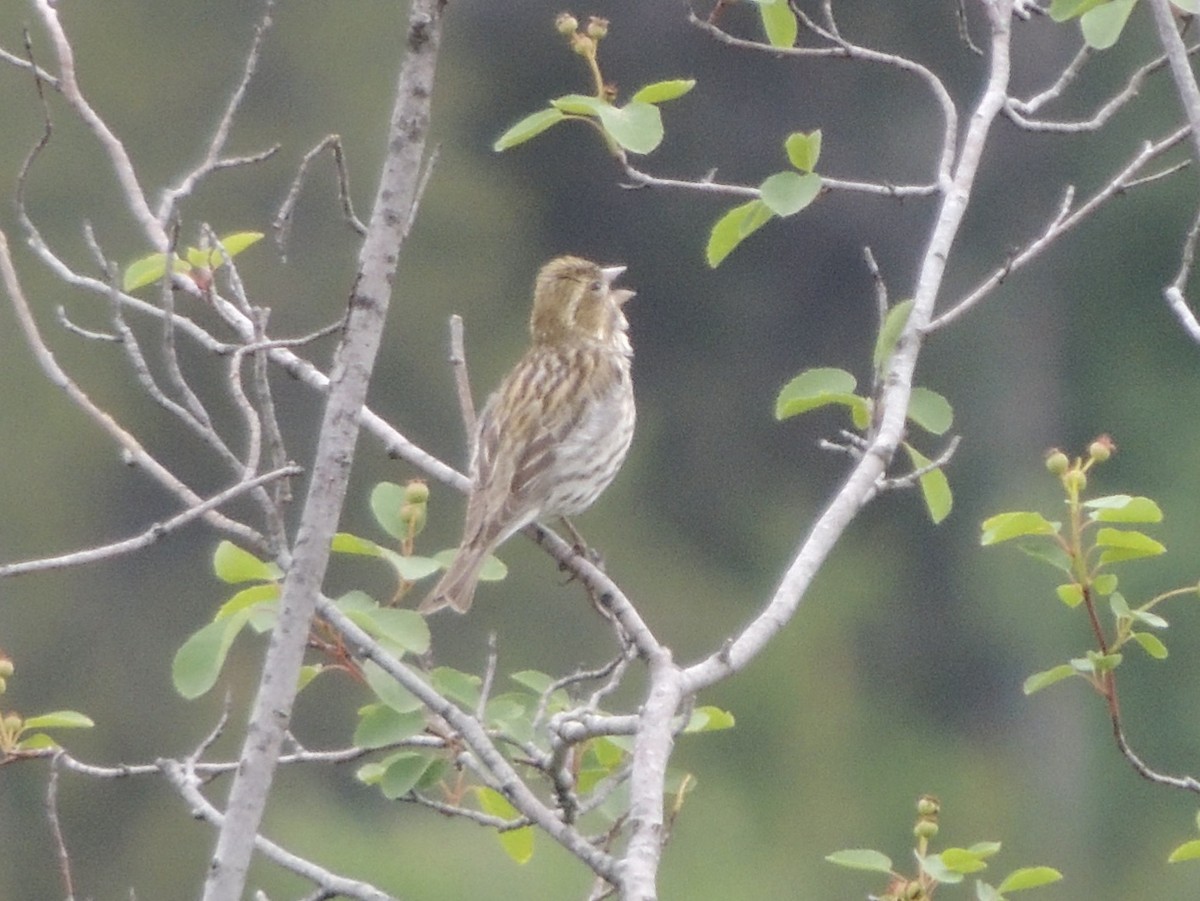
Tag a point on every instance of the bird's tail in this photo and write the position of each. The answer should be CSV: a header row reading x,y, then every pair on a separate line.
x,y
456,589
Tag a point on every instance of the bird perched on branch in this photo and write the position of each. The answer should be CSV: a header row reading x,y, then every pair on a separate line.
x,y
553,435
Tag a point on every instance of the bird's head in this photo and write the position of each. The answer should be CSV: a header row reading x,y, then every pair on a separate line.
x,y
574,300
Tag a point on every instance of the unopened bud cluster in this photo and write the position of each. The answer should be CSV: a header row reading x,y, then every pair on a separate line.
x,y
414,510
583,41
1073,473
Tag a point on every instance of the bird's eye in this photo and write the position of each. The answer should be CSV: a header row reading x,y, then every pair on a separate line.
x,y
596,285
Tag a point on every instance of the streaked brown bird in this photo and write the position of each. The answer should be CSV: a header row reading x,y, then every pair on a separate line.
x,y
553,435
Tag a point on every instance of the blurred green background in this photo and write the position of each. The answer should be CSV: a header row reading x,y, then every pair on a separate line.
x,y
902,672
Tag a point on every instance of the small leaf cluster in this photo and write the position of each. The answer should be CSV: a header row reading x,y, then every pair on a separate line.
x,y
778,21
948,867
401,511
783,194
1096,537
1102,21
590,775
23,736
421,759
197,262
822,387
635,127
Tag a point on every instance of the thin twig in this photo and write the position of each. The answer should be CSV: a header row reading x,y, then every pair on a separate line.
x,y
60,843
462,381
152,534
282,225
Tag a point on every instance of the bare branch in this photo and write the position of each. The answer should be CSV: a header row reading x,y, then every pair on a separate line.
x,y
283,219
186,784
1062,222
1173,293
60,843
462,381
349,378
132,449
122,165
212,160
1181,68
149,536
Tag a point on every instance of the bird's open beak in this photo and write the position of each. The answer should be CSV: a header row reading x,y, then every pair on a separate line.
x,y
610,275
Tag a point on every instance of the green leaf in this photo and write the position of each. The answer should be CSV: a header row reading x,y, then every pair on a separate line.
x,y
935,487
1095,662
985,892
1151,645
345,543
388,690
1006,526
787,193
1064,10
662,91
233,244
457,685
517,843
889,334
1123,508
59,719
735,227
1029,877
1102,26
1046,678
234,565
198,662
984,850
493,567
636,126
534,680
1188,6
1070,594
145,271
779,22
709,719
930,411
815,388
861,859
386,500
417,567
580,104
803,150
1153,620
248,598
936,867
1186,851
961,860
529,127
403,772
1126,544
1105,584
379,726
405,628
1048,553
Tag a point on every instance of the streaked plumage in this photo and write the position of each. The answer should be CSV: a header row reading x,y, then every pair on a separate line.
x,y
557,429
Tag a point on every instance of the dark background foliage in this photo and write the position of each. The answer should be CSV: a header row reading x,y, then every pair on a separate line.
x,y
901,673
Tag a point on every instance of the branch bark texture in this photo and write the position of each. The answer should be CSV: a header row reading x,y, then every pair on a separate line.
x,y
349,379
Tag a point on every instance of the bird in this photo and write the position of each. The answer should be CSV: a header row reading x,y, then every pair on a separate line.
x,y
555,432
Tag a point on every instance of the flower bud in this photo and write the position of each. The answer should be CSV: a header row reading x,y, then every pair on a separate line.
x,y
566,24
12,723
597,28
1102,448
416,492
1075,480
927,806
3,685
6,667
1057,462
925,829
